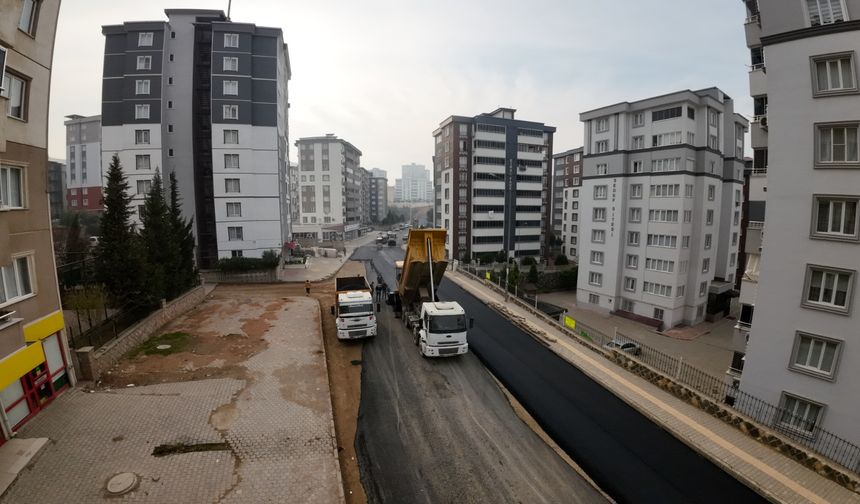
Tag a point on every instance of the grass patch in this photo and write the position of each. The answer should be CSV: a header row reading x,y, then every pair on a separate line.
x,y
177,341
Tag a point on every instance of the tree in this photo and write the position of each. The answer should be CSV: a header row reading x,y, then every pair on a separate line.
x,y
185,270
160,247
513,278
501,256
429,216
76,246
533,274
528,261
561,260
567,278
118,263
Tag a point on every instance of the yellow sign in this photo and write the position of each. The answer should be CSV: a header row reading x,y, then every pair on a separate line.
x,y
569,323
44,327
19,363
487,275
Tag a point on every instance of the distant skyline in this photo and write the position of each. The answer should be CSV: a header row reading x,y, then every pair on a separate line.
x,y
382,76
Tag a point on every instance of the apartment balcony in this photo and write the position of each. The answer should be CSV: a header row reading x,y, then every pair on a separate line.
x,y
752,30
754,236
758,133
758,81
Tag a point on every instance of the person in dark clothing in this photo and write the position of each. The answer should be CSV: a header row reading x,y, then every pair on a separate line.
x,y
307,287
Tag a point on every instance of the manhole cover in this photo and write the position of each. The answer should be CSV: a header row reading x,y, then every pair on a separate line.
x,y
162,347
122,483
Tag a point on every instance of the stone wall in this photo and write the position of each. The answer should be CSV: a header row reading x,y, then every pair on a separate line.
x,y
94,362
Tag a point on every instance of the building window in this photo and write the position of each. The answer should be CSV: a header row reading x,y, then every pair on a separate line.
x,y
670,113
231,64
734,239
141,111
602,169
169,152
15,280
799,414
703,288
235,253
823,12
631,261
144,187
636,191
661,240
594,299
231,112
708,241
660,265
713,117
630,284
144,62
11,187
602,125
15,90
141,137
234,209
602,146
231,161
232,185
835,217
231,88
29,14
144,39
837,144
231,40
234,233
637,167
662,215
665,165
231,136
828,288
596,257
815,355
141,87
595,279
706,265
600,192
709,217
688,216
665,190
638,119
633,238
638,142
142,162
712,192
599,215
598,235
170,81
635,215
671,138
833,74
657,289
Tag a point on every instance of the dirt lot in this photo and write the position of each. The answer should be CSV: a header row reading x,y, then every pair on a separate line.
x,y
215,343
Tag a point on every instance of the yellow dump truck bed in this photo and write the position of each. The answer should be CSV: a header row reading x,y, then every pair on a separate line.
x,y
414,281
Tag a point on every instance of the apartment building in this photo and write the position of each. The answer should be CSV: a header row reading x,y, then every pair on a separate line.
x,y
570,223
206,99
84,177
56,188
801,354
363,182
414,184
329,188
660,207
378,194
567,172
491,184
35,364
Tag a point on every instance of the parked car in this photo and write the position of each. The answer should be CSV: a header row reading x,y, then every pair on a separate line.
x,y
624,346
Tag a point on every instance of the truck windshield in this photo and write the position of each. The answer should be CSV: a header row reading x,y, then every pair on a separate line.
x,y
355,310
447,323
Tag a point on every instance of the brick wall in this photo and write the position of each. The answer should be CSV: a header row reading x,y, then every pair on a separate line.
x,y
95,362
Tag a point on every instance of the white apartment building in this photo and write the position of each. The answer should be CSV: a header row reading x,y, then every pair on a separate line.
x,y
801,353
492,192
84,178
570,223
329,188
660,207
414,184
567,173
206,99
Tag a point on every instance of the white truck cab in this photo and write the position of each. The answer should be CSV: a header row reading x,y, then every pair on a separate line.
x,y
442,330
354,310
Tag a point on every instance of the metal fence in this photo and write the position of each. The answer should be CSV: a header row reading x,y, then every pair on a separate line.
x,y
262,276
724,390
109,327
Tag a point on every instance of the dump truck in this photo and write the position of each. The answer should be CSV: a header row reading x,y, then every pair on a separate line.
x,y
353,308
438,328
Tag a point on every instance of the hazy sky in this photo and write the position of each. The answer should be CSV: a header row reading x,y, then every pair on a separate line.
x,y
383,73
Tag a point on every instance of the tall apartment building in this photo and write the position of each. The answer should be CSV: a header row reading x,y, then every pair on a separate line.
x,y
204,98
567,172
801,352
570,223
378,194
293,184
491,183
660,206
413,185
329,188
363,183
56,188
35,364
84,177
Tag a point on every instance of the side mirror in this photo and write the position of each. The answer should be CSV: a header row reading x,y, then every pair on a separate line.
x,y
332,310
471,322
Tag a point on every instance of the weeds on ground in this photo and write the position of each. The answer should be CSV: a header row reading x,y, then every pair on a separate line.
x,y
177,341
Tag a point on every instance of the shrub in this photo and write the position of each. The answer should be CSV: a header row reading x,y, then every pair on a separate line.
x,y
567,278
528,261
269,260
533,274
561,260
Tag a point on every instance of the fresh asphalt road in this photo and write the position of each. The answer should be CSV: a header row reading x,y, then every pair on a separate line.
x,y
627,455
441,430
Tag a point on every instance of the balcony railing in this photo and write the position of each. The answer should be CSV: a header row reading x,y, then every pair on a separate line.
x,y
755,224
754,18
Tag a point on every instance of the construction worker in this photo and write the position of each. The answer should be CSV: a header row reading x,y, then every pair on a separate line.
x,y
307,287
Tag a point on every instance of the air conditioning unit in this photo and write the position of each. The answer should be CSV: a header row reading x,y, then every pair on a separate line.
x,y
764,122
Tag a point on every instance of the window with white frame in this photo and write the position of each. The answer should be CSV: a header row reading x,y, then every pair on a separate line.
x,y
141,87
734,239
142,162
144,187
630,284
660,265
815,354
712,192
665,165
638,142
603,124
709,217
29,15
595,278
682,266
602,146
231,112
232,185
688,190
708,241
671,138
16,281
15,90
596,257
703,288
141,111
799,414
627,305
713,143
598,214
235,233
231,88
598,235
706,265
144,62
665,190
600,192
834,74
141,137
144,39
837,144
11,187
733,259
638,119
713,117
636,166
231,161
657,289
691,138
231,40
231,136
633,238
231,64
635,214
685,241
680,290
636,191
736,218
594,299
823,12
631,261
662,215
688,216
234,209
662,240
602,169
835,217
828,288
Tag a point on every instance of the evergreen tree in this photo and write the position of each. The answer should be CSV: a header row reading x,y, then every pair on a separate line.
x,y
76,247
533,274
160,249
185,271
117,261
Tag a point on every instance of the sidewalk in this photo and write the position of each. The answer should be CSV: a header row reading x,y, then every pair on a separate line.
x,y
773,475
322,268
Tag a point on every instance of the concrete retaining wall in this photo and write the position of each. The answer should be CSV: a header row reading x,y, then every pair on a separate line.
x,y
93,362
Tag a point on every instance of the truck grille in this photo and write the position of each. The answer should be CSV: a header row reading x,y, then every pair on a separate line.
x,y
447,351
360,332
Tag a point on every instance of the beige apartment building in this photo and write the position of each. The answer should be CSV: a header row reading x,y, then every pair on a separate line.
x,y
35,364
